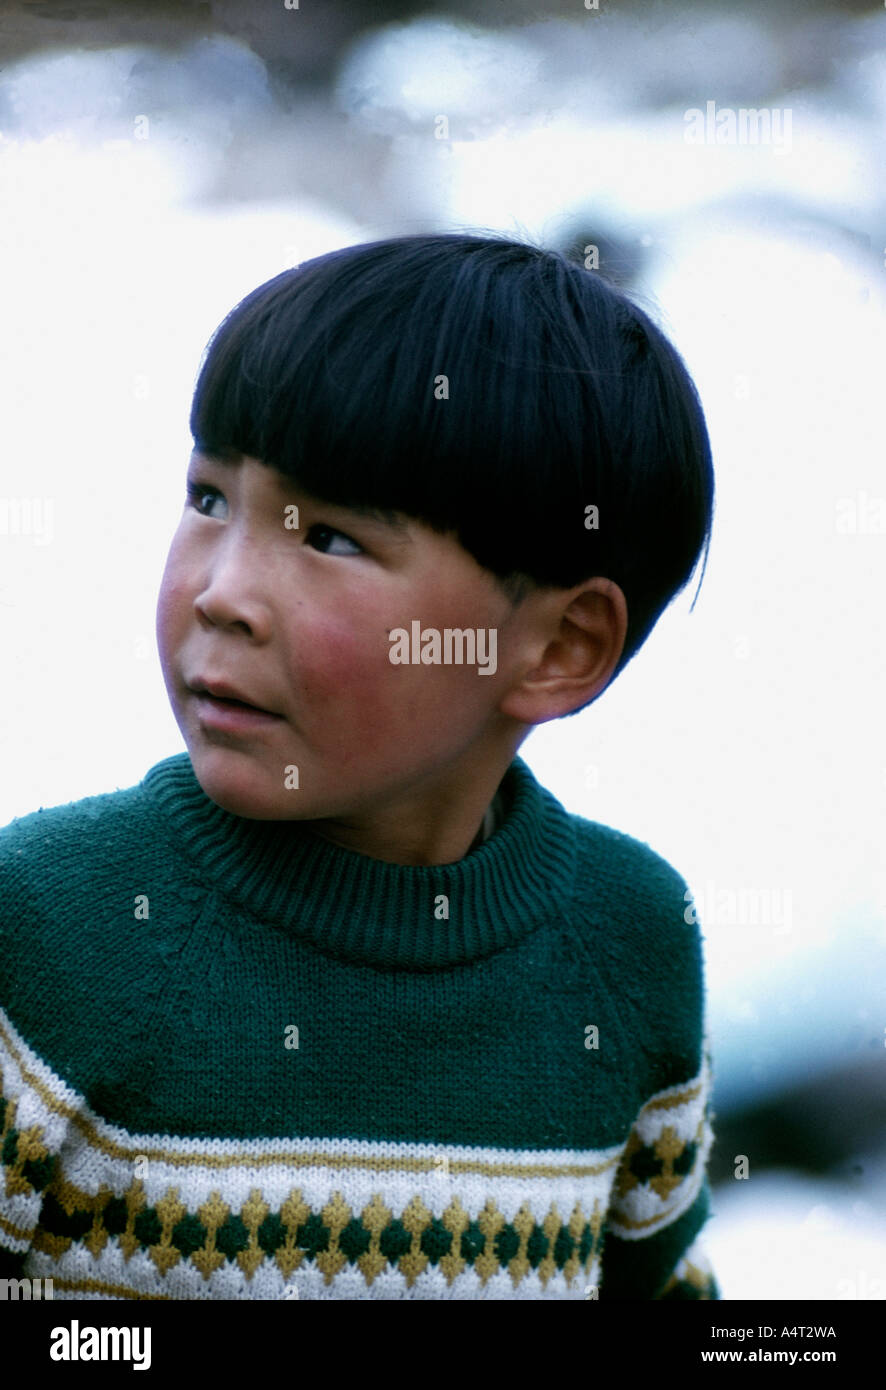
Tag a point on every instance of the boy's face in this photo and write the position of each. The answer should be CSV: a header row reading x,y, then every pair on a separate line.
x,y
298,621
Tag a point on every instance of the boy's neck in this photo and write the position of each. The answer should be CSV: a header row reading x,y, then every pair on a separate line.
x,y
430,826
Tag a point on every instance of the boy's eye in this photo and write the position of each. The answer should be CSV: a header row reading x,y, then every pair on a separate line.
x,y
320,537
196,494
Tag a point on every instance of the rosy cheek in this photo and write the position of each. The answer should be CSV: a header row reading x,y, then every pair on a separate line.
x,y
170,605
332,661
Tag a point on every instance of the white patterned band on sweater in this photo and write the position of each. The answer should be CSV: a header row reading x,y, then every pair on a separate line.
x,y
165,1217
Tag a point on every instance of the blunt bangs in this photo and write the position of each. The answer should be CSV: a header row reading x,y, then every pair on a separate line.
x,y
487,387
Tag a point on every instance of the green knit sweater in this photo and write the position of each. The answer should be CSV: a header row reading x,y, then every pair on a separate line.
x,y
239,1061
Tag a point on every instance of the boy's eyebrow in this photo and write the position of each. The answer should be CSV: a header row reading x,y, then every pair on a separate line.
x,y
379,516
229,459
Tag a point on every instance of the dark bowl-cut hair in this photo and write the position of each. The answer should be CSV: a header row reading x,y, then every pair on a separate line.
x,y
488,387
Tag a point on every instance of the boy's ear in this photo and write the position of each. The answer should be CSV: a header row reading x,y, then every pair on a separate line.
x,y
574,640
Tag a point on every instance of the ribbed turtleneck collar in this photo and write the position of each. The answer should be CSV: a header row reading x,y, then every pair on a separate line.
x,y
362,909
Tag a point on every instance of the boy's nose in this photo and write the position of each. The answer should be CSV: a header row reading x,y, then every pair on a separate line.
x,y
227,603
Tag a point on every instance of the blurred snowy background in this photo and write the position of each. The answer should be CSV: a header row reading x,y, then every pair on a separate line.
x,y
157,162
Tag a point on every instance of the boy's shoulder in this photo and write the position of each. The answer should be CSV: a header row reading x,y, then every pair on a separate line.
x,y
67,841
618,875
65,818
633,921
628,867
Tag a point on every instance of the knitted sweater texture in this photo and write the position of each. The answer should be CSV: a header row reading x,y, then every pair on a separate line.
x,y
238,1061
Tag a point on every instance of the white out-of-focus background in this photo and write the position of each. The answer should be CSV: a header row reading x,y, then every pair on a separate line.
x,y
158,162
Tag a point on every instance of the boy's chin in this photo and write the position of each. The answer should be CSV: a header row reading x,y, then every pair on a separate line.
x,y
240,785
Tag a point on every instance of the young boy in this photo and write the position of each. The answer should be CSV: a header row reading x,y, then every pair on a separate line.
x,y
341,1003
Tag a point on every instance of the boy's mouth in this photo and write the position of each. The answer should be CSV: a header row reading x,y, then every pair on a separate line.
x,y
235,704
227,697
